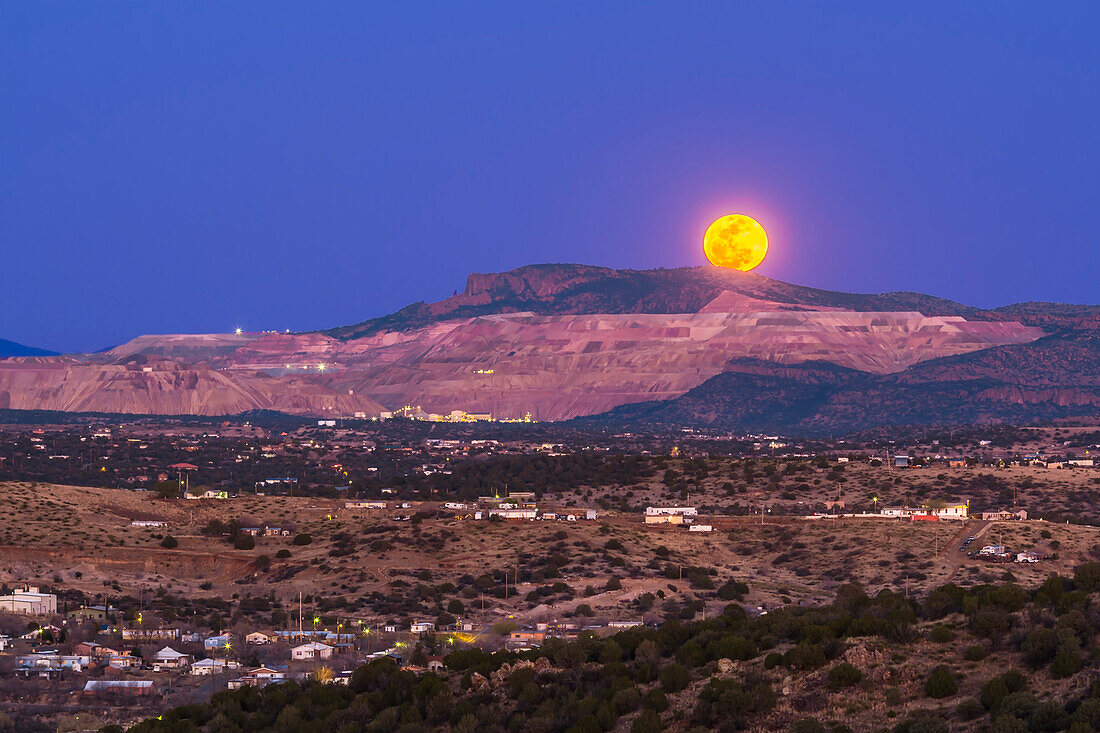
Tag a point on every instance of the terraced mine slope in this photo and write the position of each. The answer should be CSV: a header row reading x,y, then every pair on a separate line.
x,y
564,341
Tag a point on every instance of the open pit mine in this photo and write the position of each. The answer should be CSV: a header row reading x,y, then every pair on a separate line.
x,y
554,341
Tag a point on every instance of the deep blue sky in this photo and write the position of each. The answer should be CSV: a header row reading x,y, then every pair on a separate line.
x,y
188,167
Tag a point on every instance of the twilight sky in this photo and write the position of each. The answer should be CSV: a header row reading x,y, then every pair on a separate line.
x,y
190,167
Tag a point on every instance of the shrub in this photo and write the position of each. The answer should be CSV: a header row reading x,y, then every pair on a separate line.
x,y
923,724
303,539
976,653
1066,664
732,591
808,725
655,700
1086,576
583,609
1039,647
263,562
244,542
1018,705
169,542
940,634
1014,680
940,684
283,553
1008,724
1048,715
992,693
674,678
970,709
648,722
844,675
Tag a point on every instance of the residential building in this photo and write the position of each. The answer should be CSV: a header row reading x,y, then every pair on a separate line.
x,y
258,677
221,641
1005,515
91,613
124,687
207,667
683,511
311,650
169,658
28,601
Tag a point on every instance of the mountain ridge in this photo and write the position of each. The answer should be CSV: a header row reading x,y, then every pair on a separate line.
x,y
554,289
713,347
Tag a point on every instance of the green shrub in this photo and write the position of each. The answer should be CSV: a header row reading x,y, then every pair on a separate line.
x,y
1014,680
923,724
655,700
940,634
940,684
169,542
992,693
970,709
647,722
844,675
976,653
283,554
1039,647
674,678
1065,664
1008,724
303,539
244,542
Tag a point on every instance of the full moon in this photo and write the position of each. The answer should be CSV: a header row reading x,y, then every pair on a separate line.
x,y
735,241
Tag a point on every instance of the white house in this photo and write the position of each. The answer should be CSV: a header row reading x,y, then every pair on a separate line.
x,y
216,642
262,637
206,667
311,650
684,511
29,602
420,627
169,658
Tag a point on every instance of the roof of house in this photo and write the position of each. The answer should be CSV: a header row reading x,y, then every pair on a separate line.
x,y
208,663
169,653
115,684
314,645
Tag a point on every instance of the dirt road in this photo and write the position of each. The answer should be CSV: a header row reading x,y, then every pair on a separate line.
x,y
955,554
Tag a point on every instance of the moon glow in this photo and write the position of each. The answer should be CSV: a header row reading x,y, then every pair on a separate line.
x,y
735,241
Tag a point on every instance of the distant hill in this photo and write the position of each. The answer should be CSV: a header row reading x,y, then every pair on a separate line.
x,y
1055,377
11,348
686,346
568,289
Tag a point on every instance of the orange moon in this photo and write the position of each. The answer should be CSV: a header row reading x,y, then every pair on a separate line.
x,y
736,241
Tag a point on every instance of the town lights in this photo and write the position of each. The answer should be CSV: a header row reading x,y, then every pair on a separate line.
x,y
321,367
239,331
